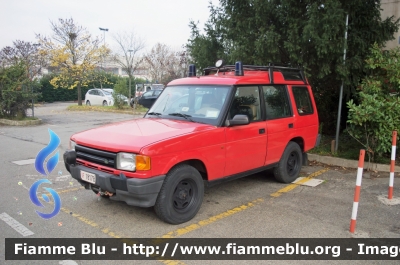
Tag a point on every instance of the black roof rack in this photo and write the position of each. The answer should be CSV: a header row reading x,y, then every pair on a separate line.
x,y
288,72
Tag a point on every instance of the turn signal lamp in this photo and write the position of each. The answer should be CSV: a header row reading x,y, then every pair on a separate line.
x,y
143,162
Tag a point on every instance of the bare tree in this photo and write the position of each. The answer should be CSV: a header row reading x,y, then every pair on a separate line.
x,y
129,45
158,61
165,64
74,52
181,63
25,52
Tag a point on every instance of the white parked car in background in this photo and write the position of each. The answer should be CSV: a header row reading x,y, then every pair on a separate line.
x,y
110,90
98,96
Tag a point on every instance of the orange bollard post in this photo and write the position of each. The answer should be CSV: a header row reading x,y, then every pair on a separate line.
x,y
357,191
392,164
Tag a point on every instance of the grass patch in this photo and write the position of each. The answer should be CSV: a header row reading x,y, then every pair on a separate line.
x,y
348,148
125,109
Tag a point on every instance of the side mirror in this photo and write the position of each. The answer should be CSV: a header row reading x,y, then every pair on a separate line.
x,y
239,119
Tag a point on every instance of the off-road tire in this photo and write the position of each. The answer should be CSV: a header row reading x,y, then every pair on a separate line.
x,y
181,195
288,169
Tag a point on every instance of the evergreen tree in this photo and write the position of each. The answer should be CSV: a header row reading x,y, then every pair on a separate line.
x,y
309,33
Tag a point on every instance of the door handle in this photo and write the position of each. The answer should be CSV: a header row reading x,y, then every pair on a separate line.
x,y
261,131
290,125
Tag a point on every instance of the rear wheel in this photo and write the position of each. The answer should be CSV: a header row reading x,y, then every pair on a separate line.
x,y
288,169
181,195
87,103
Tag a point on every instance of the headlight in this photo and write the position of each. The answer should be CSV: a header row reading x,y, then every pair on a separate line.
x,y
72,145
132,162
126,161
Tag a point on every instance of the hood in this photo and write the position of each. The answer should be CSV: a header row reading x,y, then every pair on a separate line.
x,y
133,135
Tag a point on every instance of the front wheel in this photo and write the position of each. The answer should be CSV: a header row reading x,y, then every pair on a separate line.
x,y
105,103
288,169
181,195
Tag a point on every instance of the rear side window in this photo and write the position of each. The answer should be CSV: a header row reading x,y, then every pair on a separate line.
x,y
276,102
303,100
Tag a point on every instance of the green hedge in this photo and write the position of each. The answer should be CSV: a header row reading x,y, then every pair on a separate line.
x,y
51,94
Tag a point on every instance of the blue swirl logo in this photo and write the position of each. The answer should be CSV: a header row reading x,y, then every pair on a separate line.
x,y
35,199
52,162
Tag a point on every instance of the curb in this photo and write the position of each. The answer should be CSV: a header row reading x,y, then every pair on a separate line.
x,y
20,123
341,162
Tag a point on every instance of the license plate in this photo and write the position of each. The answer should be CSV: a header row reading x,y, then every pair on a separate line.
x,y
89,177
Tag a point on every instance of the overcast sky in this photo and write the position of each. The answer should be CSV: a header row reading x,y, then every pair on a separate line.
x,y
164,21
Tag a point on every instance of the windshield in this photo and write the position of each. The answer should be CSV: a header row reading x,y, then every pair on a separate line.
x,y
194,103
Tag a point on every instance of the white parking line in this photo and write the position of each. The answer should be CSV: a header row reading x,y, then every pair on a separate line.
x,y
20,228
24,162
67,262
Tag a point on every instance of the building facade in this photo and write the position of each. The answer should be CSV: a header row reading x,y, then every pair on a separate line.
x,y
110,66
391,8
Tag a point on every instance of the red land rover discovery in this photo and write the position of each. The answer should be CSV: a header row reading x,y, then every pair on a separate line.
x,y
233,121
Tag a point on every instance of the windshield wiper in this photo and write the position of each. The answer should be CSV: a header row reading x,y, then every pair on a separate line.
x,y
186,116
154,113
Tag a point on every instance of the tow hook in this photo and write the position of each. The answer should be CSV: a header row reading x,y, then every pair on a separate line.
x,y
106,193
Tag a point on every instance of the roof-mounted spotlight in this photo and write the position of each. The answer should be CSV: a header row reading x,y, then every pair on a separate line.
x,y
192,70
239,68
219,64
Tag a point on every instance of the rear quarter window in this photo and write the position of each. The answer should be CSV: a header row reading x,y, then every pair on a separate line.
x,y
276,102
303,100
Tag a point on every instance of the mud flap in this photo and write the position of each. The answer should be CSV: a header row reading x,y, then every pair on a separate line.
x,y
305,159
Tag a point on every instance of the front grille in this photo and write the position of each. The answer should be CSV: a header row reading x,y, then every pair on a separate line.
x,y
101,168
96,156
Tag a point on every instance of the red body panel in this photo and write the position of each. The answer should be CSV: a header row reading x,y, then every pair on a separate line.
x,y
306,125
245,148
224,151
279,136
250,78
132,136
165,141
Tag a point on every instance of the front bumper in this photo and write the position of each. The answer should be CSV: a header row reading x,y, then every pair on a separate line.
x,y
133,191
